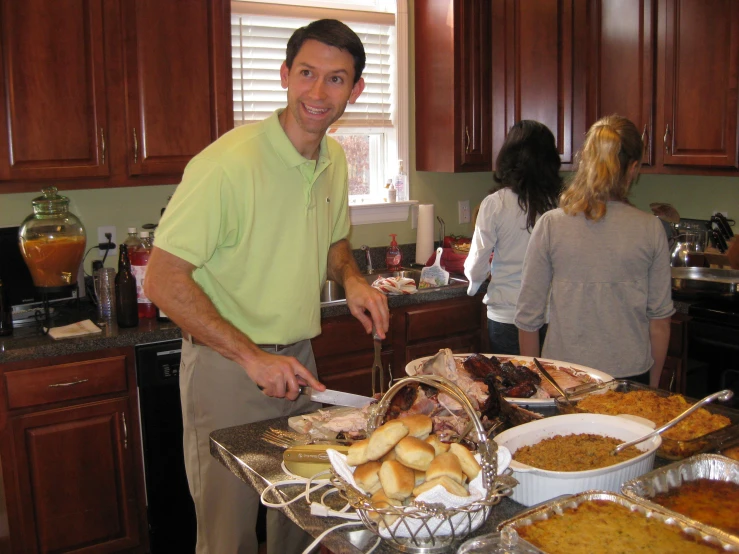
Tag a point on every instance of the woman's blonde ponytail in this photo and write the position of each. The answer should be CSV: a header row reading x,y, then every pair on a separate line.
x,y
612,144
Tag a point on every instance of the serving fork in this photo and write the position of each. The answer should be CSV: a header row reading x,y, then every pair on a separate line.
x,y
286,439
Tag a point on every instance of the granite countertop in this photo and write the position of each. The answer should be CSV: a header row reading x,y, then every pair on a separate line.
x,y
257,463
29,342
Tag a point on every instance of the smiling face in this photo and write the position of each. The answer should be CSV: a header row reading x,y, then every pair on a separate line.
x,y
319,86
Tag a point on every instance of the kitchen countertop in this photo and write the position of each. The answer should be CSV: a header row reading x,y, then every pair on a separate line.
x,y
29,343
257,463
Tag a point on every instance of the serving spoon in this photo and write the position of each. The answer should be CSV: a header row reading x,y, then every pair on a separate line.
x,y
722,396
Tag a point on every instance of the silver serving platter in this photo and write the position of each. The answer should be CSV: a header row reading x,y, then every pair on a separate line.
x,y
556,507
664,479
702,280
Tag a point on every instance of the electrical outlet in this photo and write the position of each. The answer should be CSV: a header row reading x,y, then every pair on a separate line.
x,y
464,211
723,212
102,238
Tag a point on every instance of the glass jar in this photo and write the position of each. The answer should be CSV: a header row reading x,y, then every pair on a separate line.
x,y
52,241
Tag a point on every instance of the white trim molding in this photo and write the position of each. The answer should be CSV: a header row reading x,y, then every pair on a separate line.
x,y
363,214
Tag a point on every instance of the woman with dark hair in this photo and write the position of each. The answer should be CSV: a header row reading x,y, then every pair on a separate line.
x,y
600,267
528,182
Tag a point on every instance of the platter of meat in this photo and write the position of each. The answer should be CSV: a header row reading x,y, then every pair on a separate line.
x,y
515,377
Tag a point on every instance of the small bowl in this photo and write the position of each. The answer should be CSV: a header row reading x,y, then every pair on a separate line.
x,y
538,485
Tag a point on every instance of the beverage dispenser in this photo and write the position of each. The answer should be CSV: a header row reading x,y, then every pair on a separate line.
x,y
52,241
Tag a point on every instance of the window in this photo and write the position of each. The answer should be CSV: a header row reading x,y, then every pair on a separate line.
x,y
374,130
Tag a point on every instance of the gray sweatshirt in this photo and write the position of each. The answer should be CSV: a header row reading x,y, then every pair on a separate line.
x,y
604,281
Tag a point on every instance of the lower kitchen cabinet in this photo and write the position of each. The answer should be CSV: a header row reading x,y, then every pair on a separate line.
x,y
71,454
345,352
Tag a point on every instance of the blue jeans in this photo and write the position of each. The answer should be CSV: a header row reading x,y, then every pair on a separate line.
x,y
504,338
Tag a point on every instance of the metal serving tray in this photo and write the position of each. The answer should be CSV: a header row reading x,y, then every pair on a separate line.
x,y
664,479
702,280
556,507
671,449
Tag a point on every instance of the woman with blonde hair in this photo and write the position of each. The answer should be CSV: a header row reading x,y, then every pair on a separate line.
x,y
601,266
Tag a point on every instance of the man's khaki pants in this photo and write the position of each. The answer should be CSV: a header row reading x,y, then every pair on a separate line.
x,y
217,393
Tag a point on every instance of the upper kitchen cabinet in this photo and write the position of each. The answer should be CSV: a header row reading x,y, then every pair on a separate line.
x,y
621,60
175,92
107,93
697,83
539,69
671,67
54,116
453,85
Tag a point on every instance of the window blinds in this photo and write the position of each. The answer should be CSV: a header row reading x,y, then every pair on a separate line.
x,y
258,43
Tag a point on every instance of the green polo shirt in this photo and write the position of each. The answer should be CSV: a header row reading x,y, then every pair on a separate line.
x,y
257,219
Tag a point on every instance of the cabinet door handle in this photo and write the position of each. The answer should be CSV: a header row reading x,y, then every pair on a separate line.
x,y
645,138
125,431
667,138
135,147
102,143
467,139
78,382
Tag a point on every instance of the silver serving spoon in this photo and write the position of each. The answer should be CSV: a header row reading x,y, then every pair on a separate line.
x,y
722,396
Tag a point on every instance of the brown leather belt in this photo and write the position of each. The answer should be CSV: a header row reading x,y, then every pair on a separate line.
x,y
274,347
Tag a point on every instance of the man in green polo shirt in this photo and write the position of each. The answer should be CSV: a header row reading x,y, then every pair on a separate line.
x,y
258,223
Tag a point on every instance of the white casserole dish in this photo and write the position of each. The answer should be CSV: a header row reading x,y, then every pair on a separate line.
x,y
539,485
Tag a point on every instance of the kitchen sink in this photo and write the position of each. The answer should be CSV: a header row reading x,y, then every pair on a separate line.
x,y
333,293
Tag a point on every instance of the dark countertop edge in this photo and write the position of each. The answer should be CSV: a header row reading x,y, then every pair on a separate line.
x,y
150,330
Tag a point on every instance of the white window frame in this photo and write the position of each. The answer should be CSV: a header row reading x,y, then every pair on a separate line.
x,y
369,210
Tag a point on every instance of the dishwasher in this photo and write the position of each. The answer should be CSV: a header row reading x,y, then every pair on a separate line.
x,y
170,509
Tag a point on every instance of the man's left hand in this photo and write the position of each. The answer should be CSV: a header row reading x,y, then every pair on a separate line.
x,y
361,298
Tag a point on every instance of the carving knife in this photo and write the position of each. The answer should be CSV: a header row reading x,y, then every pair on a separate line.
x,y
337,398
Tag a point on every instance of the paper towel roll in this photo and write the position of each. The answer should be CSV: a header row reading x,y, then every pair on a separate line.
x,y
425,233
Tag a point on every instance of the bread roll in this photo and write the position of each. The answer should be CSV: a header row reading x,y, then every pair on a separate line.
x,y
439,447
419,477
380,500
357,454
450,485
419,425
397,480
467,460
367,477
414,453
389,456
446,464
385,438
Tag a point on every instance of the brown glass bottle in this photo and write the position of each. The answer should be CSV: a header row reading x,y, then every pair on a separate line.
x,y
126,303
6,313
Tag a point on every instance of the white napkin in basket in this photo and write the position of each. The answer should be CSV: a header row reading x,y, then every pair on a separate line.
x,y
438,494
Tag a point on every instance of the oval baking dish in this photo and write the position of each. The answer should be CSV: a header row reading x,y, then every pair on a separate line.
x,y
538,485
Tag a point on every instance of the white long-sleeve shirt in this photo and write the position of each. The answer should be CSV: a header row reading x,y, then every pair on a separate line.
x,y
500,226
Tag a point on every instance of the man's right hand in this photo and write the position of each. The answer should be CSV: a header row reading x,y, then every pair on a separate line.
x,y
280,376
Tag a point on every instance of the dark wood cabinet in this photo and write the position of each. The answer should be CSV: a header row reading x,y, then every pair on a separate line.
x,y
539,69
453,85
71,452
344,351
670,67
697,86
621,56
75,464
175,101
102,93
54,115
